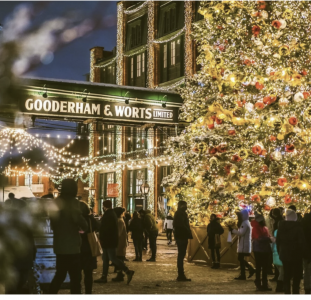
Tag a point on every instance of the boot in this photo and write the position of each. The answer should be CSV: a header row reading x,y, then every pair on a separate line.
x,y
307,291
217,265
102,279
151,259
279,287
129,275
258,285
266,288
213,265
182,277
120,277
252,271
241,277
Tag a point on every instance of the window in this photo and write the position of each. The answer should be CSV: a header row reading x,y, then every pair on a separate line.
x,y
132,67
165,56
143,62
136,36
173,53
110,178
140,178
40,179
131,205
28,179
108,139
139,65
170,20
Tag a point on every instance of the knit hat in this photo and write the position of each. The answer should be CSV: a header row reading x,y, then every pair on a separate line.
x,y
259,217
107,204
290,215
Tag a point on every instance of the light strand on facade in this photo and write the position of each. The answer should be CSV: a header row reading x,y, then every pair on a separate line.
x,y
188,40
119,57
150,47
107,64
132,11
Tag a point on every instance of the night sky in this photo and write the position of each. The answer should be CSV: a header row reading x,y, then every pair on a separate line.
x,y
73,60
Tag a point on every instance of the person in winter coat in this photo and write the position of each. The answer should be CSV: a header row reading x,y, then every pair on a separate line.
x,y
122,243
67,221
145,240
278,266
136,228
290,242
262,249
168,226
213,229
182,233
306,224
151,228
88,261
244,233
109,239
12,202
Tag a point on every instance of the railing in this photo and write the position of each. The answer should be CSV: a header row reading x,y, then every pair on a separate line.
x,y
145,153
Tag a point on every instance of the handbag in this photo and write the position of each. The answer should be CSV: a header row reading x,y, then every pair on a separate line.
x,y
217,241
95,246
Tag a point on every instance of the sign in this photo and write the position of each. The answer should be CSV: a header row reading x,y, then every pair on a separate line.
x,y
113,190
37,188
99,109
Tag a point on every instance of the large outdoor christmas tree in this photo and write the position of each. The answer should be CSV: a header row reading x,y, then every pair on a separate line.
x,y
249,108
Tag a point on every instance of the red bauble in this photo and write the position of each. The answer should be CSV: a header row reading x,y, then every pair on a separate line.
x,y
211,126
255,198
287,199
231,132
236,158
272,138
259,86
256,30
257,149
218,121
289,148
276,24
264,169
259,105
282,181
267,207
293,121
212,151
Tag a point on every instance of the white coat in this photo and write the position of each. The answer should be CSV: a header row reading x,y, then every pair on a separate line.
x,y
245,234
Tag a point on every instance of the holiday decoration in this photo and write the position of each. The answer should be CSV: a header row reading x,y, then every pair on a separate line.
x,y
252,93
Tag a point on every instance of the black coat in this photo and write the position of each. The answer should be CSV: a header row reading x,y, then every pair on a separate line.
x,y
213,228
290,241
181,226
306,224
88,262
136,228
108,232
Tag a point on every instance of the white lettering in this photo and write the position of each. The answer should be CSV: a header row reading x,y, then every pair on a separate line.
x,y
127,112
47,105
79,107
87,109
55,106
29,104
71,107
63,106
38,104
148,113
95,108
119,111
107,111
135,112
142,110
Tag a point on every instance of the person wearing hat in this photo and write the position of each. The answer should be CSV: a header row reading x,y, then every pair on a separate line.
x,y
262,249
109,239
214,229
122,243
290,243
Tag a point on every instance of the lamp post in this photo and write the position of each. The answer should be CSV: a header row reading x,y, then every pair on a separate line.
x,y
55,193
92,194
144,189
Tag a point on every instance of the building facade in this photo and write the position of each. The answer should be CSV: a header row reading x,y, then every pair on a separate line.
x,y
154,48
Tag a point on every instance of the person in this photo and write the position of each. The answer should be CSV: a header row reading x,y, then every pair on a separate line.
x,y
276,259
146,237
306,224
214,229
261,248
290,244
244,232
122,242
12,202
292,207
49,195
168,225
88,262
109,238
151,228
182,233
66,222
136,228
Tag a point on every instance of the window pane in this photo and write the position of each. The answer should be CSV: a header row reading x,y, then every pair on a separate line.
x,y
138,65
131,182
132,67
173,53
143,63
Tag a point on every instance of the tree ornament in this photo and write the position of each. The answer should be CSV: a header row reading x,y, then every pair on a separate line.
x,y
255,198
293,121
259,105
282,24
249,106
236,158
289,148
287,199
288,14
306,95
276,24
256,30
231,131
264,169
298,97
282,181
276,155
271,201
283,101
284,50
257,149
243,153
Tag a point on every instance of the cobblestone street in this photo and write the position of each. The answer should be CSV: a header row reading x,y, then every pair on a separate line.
x,y
160,277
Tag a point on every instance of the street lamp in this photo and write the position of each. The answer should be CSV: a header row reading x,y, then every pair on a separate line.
x,y
144,189
92,194
55,193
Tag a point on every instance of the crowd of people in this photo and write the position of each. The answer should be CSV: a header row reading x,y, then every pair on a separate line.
x,y
281,241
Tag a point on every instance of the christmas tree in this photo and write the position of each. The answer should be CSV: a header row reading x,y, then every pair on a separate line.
x,y
249,108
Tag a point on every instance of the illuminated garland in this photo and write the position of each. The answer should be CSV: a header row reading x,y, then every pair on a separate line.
x,y
132,11
151,198
91,155
119,173
120,49
92,63
173,86
140,50
180,32
150,50
107,64
188,40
